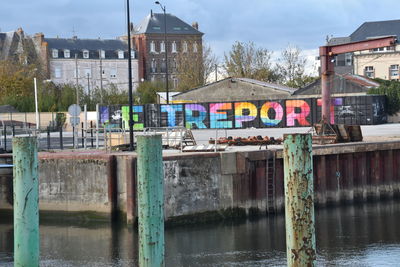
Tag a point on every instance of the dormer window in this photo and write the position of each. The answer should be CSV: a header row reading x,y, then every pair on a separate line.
x,y
120,54
85,53
174,50
54,53
152,47
102,54
162,47
195,47
67,53
185,47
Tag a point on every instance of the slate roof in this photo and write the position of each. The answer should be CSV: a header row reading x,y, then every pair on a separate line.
x,y
376,29
89,44
338,40
154,24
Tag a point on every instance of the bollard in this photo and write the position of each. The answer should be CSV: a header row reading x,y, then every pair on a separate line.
x,y
26,202
5,138
151,200
83,137
61,139
48,138
73,136
91,133
299,200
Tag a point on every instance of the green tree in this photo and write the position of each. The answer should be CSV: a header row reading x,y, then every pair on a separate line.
x,y
391,89
245,60
146,93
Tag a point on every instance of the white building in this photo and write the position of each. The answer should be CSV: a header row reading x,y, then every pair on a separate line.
x,y
90,63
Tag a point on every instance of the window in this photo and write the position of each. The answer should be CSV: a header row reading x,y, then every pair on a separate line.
x,y
394,71
163,65
162,47
174,50
120,54
177,28
152,47
133,55
348,59
87,72
184,47
174,65
195,47
55,53
85,53
102,54
67,53
153,66
379,49
153,78
113,73
175,82
57,72
369,72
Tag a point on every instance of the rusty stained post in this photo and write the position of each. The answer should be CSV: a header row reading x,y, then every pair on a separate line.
x,y
326,82
150,200
299,200
26,202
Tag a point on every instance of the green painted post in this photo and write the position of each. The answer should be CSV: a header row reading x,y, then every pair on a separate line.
x,y
299,200
26,202
151,200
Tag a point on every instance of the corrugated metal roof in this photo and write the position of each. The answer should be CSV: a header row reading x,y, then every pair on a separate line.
x,y
361,80
267,84
154,24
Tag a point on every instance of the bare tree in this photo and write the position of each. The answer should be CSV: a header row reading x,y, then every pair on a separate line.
x,y
194,66
248,61
291,67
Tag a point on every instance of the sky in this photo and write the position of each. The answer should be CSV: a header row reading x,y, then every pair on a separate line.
x,y
269,24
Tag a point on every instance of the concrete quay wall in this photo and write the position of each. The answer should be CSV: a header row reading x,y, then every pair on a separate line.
x,y
209,186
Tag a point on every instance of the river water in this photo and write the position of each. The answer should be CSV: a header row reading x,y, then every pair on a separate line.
x,y
363,235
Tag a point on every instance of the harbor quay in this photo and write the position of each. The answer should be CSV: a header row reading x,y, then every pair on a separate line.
x,y
206,186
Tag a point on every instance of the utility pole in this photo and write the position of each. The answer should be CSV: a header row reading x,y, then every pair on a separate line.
x,y
216,72
101,77
88,87
77,79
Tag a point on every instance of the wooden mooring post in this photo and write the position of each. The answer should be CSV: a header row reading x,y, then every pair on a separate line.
x,y
26,202
299,200
150,200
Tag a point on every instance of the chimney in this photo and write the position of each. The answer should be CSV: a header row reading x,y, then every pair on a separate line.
x,y
195,25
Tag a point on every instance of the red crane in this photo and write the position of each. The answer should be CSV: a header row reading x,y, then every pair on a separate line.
x,y
327,53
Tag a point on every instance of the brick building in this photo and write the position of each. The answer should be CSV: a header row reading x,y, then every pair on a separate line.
x,y
148,38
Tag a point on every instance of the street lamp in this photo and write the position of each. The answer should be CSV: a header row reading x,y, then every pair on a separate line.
x,y
130,79
166,49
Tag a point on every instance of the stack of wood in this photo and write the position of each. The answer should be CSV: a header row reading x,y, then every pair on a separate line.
x,y
249,141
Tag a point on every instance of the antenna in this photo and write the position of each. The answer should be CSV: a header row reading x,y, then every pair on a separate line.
x,y
73,30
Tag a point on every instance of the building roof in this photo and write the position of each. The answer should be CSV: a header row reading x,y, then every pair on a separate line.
x,y
89,44
246,80
361,80
154,24
376,29
267,84
338,40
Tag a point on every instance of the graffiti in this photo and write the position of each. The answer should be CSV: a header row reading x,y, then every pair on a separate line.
x,y
271,114
257,114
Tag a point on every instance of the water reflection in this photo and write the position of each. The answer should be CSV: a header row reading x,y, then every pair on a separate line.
x,y
366,235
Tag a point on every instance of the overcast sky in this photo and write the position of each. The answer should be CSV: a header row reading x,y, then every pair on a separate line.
x,y
271,24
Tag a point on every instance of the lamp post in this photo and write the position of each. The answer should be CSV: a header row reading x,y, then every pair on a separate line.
x,y
130,78
166,49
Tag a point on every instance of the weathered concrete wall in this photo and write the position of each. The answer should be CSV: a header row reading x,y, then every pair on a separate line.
x,y
212,185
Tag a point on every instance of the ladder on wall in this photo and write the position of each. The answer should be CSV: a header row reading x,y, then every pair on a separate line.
x,y
270,175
